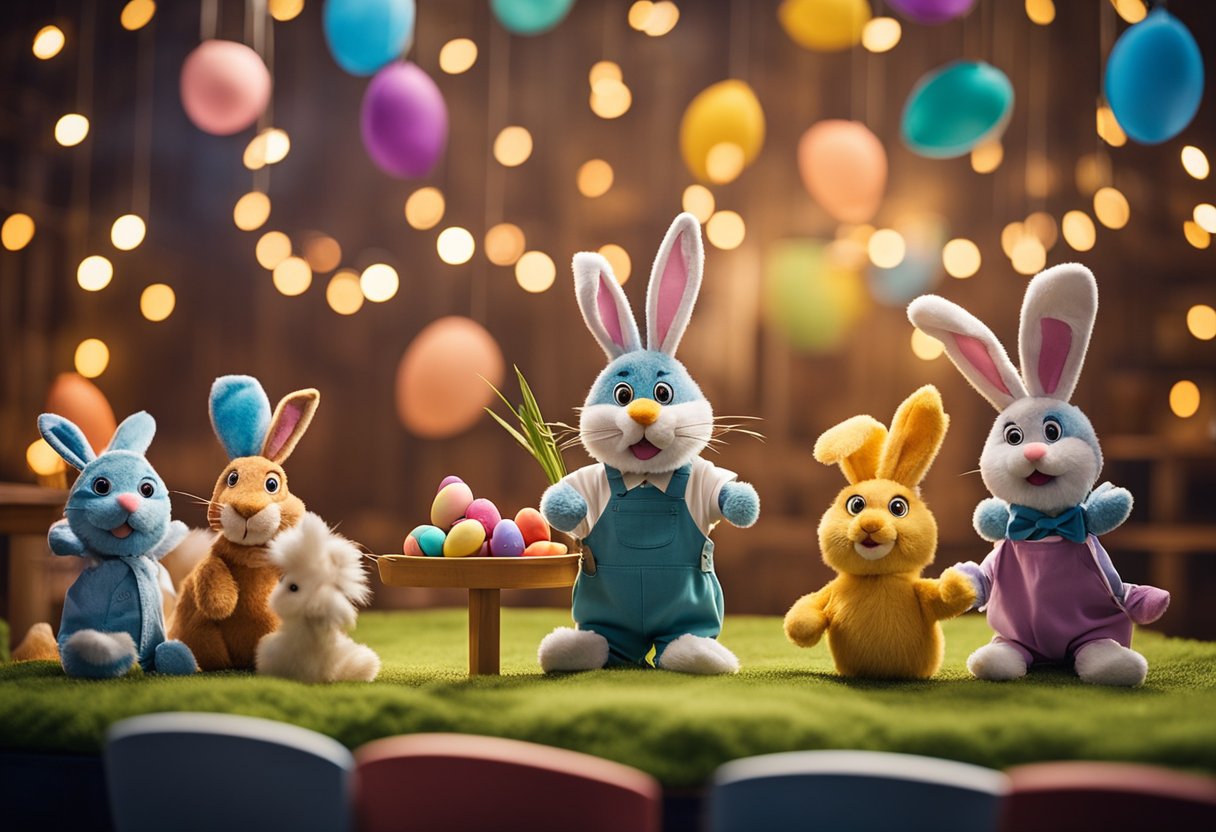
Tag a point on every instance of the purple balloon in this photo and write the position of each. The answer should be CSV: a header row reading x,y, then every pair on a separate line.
x,y
404,121
932,12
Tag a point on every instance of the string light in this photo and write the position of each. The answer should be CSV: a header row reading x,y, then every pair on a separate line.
x,y
94,273
535,272
457,56
726,230
1091,172
323,253
1184,399
379,282
926,347
1132,11
1195,162
1043,226
43,460
127,232
455,245
1079,230
272,249
292,276
604,70
424,208
698,200
17,231
1111,208
251,211
662,18
48,42
268,147
504,244
1201,321
1109,129
1041,12
639,14
618,258
71,129
724,162
92,357
1196,235
594,178
961,259
513,146
886,248
344,294
987,157
136,14
1029,256
285,10
1010,235
610,99
1038,177
1205,216
157,301
881,34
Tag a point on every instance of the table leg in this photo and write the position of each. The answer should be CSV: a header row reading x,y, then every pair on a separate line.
x,y
483,632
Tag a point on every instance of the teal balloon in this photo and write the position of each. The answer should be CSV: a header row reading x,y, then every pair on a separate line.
x,y
915,275
530,17
811,303
365,35
956,107
1154,78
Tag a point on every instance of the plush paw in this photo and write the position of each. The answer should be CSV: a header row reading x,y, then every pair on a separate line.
x,y
996,662
174,659
567,650
974,573
1144,604
1106,508
1106,662
740,504
63,541
806,626
957,589
92,654
562,507
698,654
991,519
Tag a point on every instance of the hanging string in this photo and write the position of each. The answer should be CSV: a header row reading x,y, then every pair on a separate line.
x,y
209,20
498,92
262,35
739,40
141,177
1106,41
83,167
1036,118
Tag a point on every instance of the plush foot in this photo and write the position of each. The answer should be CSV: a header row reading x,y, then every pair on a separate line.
x,y
360,664
566,650
700,655
996,663
1145,604
175,659
91,654
38,645
1106,662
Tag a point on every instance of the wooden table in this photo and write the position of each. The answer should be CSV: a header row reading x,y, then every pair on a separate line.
x,y
26,512
484,578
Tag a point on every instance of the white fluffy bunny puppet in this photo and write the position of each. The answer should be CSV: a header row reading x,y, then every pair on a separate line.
x,y
645,509
322,581
1050,589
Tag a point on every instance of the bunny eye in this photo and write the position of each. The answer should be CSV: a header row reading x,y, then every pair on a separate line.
x,y
1013,435
101,486
663,394
147,489
1052,430
623,394
855,504
898,506
272,484
233,476
294,587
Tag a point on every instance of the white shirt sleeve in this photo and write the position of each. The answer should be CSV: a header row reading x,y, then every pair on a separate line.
x,y
591,483
705,483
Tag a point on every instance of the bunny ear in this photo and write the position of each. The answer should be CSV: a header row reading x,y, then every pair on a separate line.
x,y
240,414
917,432
675,281
855,444
134,434
291,419
1057,320
971,346
67,440
604,306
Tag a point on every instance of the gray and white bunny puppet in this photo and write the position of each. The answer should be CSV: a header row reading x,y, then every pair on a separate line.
x,y
1050,589
646,508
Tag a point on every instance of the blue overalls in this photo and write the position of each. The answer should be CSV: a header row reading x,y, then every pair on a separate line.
x,y
654,577
118,595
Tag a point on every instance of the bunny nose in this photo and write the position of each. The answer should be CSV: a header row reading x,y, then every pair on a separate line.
x,y
1035,451
644,411
130,502
871,525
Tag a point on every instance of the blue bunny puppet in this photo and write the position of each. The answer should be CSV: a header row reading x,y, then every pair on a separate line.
x,y
645,509
117,516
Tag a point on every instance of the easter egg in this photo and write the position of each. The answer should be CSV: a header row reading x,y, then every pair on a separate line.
x,y
484,550
225,87
507,541
450,504
464,539
531,525
446,481
425,540
956,107
411,547
484,512
545,548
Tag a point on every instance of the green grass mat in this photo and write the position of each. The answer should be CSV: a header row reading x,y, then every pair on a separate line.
x,y
678,728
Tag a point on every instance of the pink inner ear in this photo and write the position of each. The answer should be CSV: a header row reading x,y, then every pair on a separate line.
x,y
976,353
672,283
1053,354
283,429
609,314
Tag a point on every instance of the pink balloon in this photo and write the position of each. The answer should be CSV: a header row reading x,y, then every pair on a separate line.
x,y
404,121
844,168
225,87
439,393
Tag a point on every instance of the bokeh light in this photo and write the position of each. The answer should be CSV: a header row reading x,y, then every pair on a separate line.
x,y
535,272
455,245
1041,12
251,211
457,56
136,14
698,200
724,162
292,276
1111,208
379,282
618,258
662,18
513,146
1132,11
1195,162
987,157
604,70
926,347
284,10
92,357
1092,172
48,42
1184,399
1108,127
424,208
610,99
43,460
886,248
1010,235
268,147
344,294
1043,226
881,34
594,178
1079,231
71,129
1205,216
504,243
1028,256
156,302
961,258
272,249
726,230
322,252
639,13
127,232
94,273
1201,321
17,231
1196,235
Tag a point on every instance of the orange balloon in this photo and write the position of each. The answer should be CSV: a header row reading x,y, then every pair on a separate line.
x,y
439,392
844,168
77,399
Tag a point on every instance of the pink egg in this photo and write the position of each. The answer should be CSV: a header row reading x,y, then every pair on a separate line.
x,y
450,504
225,87
484,512
484,551
507,542
532,526
544,548
446,482
412,548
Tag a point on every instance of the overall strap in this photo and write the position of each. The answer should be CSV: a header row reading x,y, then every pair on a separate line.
x,y
616,482
679,482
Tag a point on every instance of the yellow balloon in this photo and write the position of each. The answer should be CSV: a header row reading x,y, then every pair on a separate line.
x,y
824,25
726,115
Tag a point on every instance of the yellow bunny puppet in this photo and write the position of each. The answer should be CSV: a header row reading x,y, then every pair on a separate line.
x,y
880,615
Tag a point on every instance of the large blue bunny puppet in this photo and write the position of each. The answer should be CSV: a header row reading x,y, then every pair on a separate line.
x,y
118,518
645,509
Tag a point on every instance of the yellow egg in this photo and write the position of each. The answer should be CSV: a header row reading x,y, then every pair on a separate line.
x,y
725,116
464,539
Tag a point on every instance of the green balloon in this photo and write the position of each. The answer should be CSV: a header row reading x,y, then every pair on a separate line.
x,y
812,303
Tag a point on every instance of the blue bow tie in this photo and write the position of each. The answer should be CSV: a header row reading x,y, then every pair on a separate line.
x,y
1026,523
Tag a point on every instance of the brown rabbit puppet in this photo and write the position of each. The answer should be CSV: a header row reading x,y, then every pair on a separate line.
x,y
223,610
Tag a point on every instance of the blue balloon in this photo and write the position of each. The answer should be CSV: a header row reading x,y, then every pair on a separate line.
x,y
365,35
956,107
1154,78
530,17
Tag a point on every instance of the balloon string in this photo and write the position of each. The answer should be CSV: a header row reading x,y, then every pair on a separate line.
x,y
209,20
83,167
141,182
1106,37
497,111
739,40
